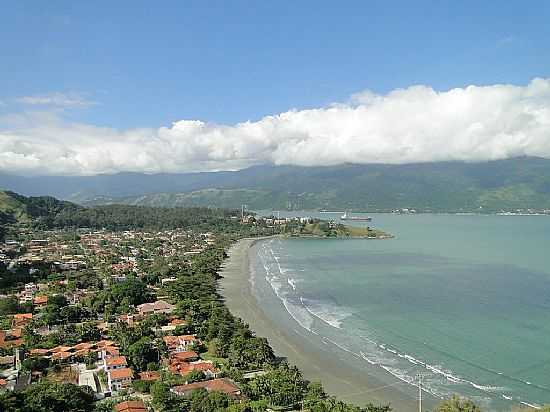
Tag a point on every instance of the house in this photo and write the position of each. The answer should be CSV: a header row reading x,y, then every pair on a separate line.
x,y
224,385
20,320
7,361
180,343
115,362
186,356
160,306
10,338
119,379
184,368
149,376
40,352
130,406
40,300
129,319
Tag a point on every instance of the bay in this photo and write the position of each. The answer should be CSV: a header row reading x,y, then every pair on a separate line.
x,y
462,300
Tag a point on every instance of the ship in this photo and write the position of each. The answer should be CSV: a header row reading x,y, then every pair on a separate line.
x,y
355,218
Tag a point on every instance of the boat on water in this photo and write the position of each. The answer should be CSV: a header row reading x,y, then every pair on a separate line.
x,y
345,216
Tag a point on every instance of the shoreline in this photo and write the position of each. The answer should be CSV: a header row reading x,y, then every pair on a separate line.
x,y
354,386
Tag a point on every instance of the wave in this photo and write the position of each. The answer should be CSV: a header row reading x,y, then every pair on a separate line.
x,y
292,283
531,405
330,314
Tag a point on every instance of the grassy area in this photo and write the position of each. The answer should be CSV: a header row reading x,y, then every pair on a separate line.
x,y
324,229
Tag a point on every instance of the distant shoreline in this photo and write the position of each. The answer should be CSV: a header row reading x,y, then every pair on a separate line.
x,y
338,380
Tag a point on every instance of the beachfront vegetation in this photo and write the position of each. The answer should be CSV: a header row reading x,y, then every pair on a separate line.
x,y
329,229
458,404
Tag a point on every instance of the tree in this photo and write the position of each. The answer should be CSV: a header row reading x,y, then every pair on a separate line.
x,y
282,386
457,404
35,364
195,376
142,352
142,386
49,397
130,292
166,401
88,332
9,306
203,401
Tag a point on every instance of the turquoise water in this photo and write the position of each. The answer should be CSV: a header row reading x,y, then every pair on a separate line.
x,y
464,300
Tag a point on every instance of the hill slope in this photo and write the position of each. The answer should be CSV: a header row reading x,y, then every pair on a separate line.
x,y
444,186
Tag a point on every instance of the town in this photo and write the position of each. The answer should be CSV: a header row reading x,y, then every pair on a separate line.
x,y
131,320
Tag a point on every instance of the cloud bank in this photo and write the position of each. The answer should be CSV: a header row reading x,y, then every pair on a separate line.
x,y
416,124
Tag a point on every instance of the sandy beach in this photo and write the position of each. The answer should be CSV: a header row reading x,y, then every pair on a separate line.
x,y
349,385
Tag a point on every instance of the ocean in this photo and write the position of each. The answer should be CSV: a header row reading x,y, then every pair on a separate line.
x,y
461,302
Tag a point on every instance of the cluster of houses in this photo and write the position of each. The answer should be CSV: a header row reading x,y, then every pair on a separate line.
x,y
275,221
112,256
58,254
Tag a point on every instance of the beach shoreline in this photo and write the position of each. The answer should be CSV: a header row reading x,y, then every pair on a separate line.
x,y
349,385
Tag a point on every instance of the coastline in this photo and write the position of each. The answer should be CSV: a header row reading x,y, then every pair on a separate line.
x,y
349,385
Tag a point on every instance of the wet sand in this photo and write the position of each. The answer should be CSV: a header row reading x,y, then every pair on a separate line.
x,y
349,385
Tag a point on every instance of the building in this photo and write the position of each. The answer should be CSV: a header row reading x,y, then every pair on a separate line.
x,y
115,362
130,406
119,379
180,343
184,368
41,300
224,385
149,376
160,306
186,356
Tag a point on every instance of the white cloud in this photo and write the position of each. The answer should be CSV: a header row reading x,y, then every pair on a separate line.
x,y
57,100
416,124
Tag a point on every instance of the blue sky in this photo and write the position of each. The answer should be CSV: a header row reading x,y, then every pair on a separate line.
x,y
147,64
175,86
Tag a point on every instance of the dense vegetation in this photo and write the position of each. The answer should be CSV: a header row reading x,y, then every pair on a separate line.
x,y
444,186
46,212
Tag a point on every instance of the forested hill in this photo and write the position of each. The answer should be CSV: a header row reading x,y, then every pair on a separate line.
x,y
50,213
15,208
511,184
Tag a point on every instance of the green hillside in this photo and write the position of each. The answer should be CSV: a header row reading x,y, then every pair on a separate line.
x,y
520,183
39,211
489,186
12,210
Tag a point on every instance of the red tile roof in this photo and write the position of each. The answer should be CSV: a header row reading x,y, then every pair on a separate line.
x,y
40,300
116,361
124,373
184,356
149,376
130,406
20,316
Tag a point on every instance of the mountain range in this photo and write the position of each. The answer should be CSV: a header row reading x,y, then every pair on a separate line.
x,y
510,184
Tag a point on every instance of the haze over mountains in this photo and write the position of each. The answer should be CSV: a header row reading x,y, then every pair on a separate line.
x,y
440,186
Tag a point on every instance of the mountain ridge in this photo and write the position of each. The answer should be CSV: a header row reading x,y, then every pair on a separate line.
x,y
518,183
